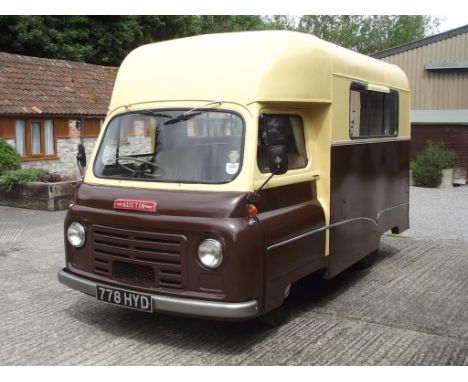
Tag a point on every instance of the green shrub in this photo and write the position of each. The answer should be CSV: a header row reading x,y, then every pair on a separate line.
x,y
426,176
8,158
20,176
430,162
436,155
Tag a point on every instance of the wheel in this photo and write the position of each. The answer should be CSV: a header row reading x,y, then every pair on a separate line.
x,y
281,314
367,261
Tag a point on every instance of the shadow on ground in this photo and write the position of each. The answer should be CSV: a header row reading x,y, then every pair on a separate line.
x,y
209,336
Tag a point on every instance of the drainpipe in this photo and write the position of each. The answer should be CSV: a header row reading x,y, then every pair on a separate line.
x,y
82,131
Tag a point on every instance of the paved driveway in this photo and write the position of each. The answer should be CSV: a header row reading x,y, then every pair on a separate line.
x,y
410,308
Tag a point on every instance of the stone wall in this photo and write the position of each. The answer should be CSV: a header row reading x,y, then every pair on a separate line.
x,y
11,142
67,148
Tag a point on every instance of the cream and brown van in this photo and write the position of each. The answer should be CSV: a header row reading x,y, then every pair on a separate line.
x,y
230,166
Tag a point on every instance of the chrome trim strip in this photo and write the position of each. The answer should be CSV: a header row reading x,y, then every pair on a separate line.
x,y
78,283
303,235
352,220
193,307
390,208
361,141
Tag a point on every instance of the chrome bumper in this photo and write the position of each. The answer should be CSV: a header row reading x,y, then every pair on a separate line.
x,y
192,307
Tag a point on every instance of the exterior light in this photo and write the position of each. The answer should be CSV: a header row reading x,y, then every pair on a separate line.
x,y
252,211
76,234
210,253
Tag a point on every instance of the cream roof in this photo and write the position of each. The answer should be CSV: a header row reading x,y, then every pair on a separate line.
x,y
244,67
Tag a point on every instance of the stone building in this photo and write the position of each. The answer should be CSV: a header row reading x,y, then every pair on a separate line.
x,y
49,106
437,70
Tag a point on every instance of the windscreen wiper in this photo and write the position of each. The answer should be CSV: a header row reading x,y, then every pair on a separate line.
x,y
153,113
190,113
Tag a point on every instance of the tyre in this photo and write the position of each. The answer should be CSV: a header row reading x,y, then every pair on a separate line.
x,y
367,261
281,314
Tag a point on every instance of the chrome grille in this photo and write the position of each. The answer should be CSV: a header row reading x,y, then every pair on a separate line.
x,y
120,254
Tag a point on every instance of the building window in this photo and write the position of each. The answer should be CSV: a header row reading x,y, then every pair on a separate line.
x,y
35,139
284,130
372,113
20,133
49,137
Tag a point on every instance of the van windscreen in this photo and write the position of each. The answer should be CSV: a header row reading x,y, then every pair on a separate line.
x,y
204,148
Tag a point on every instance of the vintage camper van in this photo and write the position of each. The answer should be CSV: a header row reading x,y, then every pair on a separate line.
x,y
230,166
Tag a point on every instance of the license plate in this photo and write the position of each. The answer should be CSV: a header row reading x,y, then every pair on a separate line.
x,y
132,300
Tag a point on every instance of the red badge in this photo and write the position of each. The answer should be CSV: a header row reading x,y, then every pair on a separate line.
x,y
135,205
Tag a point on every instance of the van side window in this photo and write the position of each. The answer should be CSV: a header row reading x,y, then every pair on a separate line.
x,y
281,129
372,114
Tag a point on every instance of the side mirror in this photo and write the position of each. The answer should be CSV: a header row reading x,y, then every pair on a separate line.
x,y
81,156
278,159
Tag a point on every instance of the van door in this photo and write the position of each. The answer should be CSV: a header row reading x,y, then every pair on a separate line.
x,y
291,217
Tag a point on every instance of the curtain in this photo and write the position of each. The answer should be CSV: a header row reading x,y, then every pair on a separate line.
x,y
36,138
49,137
20,132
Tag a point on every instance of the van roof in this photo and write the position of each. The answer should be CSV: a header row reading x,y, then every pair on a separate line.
x,y
244,67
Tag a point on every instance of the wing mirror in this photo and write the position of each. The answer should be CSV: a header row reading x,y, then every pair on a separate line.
x,y
81,156
278,159
81,159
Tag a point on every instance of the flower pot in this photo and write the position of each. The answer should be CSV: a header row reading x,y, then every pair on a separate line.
x,y
447,178
40,196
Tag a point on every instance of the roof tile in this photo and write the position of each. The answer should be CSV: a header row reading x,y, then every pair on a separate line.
x,y
32,85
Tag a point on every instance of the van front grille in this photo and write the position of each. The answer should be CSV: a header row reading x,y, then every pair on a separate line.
x,y
133,273
141,258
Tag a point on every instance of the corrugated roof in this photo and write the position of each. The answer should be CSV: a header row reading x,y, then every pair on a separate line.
x,y
425,41
447,117
32,85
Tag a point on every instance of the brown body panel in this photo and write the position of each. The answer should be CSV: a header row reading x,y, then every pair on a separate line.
x,y
291,213
369,195
161,248
184,216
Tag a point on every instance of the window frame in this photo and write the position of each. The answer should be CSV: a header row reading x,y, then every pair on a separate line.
x,y
29,156
181,110
282,114
361,87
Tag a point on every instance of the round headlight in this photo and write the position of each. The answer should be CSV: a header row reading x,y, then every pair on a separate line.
x,y
76,234
210,253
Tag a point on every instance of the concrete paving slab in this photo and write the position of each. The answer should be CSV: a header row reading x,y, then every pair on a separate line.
x,y
410,308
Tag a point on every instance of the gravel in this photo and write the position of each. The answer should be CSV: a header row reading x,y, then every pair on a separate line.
x,y
438,213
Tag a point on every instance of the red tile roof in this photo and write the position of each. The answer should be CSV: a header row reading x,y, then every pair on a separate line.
x,y
32,85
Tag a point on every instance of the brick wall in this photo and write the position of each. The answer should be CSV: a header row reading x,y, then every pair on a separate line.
x,y
454,137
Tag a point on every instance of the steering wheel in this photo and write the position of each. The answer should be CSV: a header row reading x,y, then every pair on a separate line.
x,y
154,165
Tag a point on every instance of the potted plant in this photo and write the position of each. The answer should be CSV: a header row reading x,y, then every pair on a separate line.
x,y
32,187
433,167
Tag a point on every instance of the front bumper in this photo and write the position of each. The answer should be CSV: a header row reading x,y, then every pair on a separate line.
x,y
179,305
